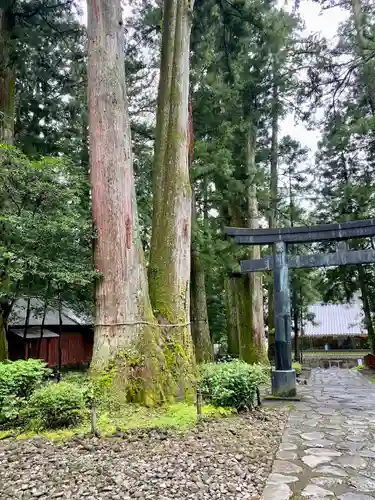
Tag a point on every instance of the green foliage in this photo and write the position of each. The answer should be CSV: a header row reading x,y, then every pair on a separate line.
x,y
358,367
18,380
55,406
232,384
43,224
298,368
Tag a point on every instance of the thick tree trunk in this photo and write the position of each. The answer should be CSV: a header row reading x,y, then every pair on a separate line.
x,y
255,279
365,49
125,329
7,79
169,271
273,203
199,318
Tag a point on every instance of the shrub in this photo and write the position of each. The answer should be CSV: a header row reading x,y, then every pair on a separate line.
x,y
358,367
18,380
232,384
56,405
298,368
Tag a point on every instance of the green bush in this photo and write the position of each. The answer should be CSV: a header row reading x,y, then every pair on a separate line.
x,y
298,368
232,384
55,406
18,380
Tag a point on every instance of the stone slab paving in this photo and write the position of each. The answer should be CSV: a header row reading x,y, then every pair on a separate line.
x,y
328,446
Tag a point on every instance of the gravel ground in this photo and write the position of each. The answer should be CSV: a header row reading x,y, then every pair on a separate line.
x,y
227,459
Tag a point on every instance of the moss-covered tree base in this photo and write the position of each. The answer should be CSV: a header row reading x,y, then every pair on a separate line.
x,y
154,370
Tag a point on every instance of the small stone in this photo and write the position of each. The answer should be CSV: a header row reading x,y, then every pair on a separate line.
x,y
313,491
231,487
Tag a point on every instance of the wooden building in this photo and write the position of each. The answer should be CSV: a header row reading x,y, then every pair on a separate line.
x,y
338,326
71,349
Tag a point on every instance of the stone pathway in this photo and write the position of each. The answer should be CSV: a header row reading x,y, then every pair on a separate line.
x,y
328,447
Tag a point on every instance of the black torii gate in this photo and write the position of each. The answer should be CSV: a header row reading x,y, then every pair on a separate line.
x,y
283,377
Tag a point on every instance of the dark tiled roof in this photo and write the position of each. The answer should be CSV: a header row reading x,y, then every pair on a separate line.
x,y
69,317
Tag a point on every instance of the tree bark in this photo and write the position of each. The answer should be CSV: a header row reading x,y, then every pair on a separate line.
x,y
273,203
199,318
125,329
7,78
169,270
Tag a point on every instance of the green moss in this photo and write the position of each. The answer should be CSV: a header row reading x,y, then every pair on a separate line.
x,y
155,370
298,368
179,416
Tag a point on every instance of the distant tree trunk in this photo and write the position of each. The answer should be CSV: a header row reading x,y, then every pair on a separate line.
x,y
198,299
365,49
273,204
125,329
26,325
295,321
239,306
199,317
3,337
6,307
42,327
232,312
169,271
60,337
7,78
256,343
366,307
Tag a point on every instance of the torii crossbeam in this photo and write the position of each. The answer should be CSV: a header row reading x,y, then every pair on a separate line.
x,y
283,377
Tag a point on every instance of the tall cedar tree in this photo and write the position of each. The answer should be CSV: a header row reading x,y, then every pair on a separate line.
x,y
155,360
169,270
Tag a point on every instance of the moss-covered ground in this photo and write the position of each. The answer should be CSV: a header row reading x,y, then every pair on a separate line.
x,y
180,416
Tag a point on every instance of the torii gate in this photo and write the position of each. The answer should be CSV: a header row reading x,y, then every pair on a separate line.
x,y
283,377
